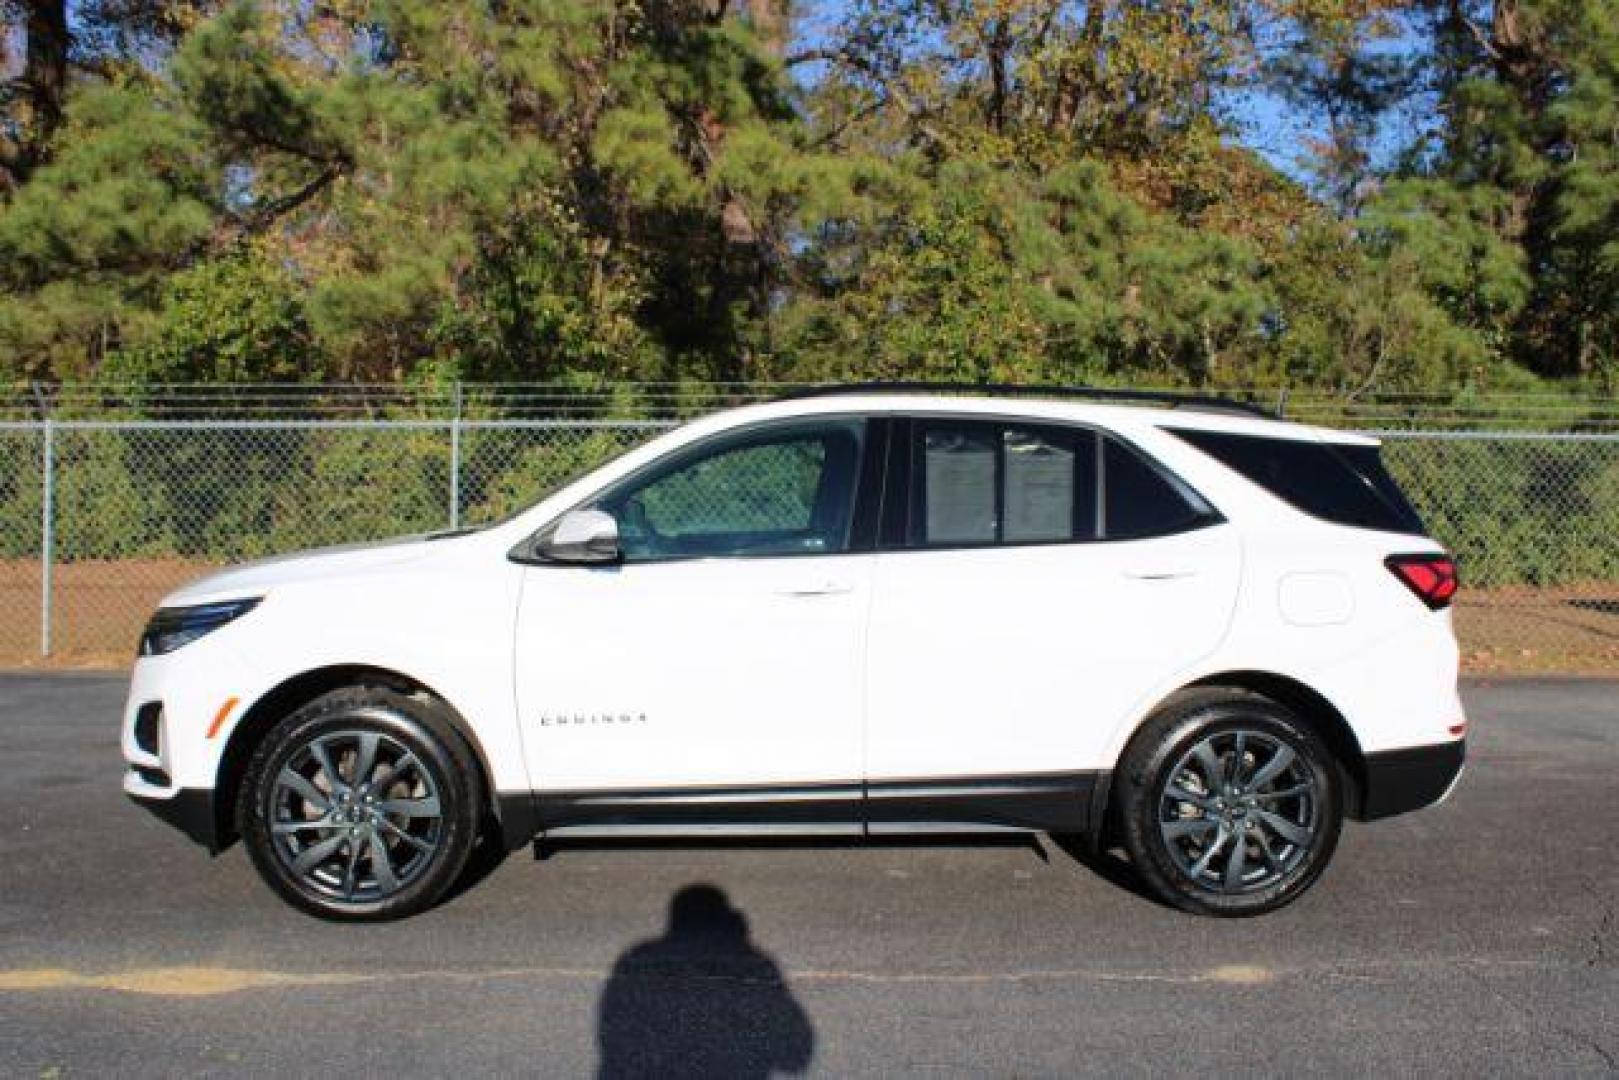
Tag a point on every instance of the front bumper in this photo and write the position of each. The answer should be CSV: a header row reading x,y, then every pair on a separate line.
x,y
1398,781
178,718
191,810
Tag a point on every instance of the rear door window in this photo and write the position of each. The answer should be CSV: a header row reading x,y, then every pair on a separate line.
x,y
991,482
960,467
1042,487
1339,482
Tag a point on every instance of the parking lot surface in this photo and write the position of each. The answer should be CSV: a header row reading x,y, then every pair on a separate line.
x,y
1475,937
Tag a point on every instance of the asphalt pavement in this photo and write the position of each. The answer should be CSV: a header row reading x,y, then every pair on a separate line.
x,y
1476,937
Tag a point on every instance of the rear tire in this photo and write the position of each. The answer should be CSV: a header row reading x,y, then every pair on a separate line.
x,y
1228,804
361,806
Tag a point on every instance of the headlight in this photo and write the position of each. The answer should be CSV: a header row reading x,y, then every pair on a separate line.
x,y
173,627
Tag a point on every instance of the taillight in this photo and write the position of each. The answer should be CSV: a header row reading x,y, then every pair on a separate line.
x,y
1431,577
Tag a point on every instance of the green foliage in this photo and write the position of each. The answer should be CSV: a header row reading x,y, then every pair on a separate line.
x,y
524,308
364,484
1358,319
1446,234
500,480
1517,512
386,190
102,509
1528,92
1521,513
933,294
1587,201
128,197
21,490
128,191
238,319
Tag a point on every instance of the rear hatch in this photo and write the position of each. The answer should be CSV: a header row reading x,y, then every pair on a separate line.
x,y
1344,483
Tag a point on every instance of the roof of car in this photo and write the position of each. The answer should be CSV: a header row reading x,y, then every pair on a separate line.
x,y
1123,414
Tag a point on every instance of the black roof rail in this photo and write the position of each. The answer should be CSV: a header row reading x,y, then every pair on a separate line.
x,y
1171,398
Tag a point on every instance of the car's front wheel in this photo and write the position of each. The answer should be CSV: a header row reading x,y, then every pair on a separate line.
x,y
362,805
1228,803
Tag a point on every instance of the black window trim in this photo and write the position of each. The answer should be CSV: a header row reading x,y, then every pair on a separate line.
x,y
863,521
898,501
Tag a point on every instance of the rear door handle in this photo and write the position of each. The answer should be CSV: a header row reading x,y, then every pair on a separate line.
x,y
1159,573
829,587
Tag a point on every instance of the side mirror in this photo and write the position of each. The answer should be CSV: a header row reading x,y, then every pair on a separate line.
x,y
581,536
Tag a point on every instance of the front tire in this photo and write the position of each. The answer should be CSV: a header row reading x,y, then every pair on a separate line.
x,y
1229,804
361,806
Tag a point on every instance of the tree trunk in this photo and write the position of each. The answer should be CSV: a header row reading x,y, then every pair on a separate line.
x,y
999,49
45,71
40,89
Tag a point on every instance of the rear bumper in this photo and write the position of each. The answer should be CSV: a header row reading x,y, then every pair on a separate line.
x,y
1398,781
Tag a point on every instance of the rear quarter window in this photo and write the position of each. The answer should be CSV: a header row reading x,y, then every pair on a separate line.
x,y
1338,482
1142,502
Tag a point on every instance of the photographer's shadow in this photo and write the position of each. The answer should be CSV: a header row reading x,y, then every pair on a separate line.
x,y
701,1000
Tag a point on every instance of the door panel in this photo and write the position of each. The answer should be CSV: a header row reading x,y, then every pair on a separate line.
x,y
701,672
727,649
1016,660
1047,577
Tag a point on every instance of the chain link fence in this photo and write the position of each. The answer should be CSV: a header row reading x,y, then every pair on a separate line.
x,y
1534,522
136,508
105,508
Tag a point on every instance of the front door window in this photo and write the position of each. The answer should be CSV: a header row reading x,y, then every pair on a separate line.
x,y
784,492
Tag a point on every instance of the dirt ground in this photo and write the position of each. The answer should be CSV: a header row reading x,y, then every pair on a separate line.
x,y
1521,630
99,608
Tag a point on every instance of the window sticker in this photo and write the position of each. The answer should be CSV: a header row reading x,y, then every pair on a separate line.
x,y
960,484
1039,489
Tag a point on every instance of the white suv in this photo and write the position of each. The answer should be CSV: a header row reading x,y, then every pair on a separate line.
x,y
1175,625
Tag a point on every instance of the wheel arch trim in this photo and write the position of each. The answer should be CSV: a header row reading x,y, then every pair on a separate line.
x,y
1307,703
295,691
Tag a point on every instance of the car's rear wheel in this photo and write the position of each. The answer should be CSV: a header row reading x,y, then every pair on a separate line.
x,y
362,805
1229,804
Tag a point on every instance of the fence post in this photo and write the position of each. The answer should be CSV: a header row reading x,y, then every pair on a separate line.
x,y
47,520
455,462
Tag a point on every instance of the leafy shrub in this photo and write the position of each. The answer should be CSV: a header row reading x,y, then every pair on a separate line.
x,y
1517,512
20,493
1535,511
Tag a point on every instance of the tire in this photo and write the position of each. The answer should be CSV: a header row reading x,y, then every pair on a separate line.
x,y
1272,825
318,841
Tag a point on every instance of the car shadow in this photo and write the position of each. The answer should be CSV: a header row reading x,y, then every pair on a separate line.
x,y
1105,863
701,999
487,856
547,847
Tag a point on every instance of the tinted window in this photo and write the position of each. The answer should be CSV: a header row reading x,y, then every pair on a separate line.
x,y
1368,462
1040,486
784,492
1343,484
985,483
960,485
979,482
1143,501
